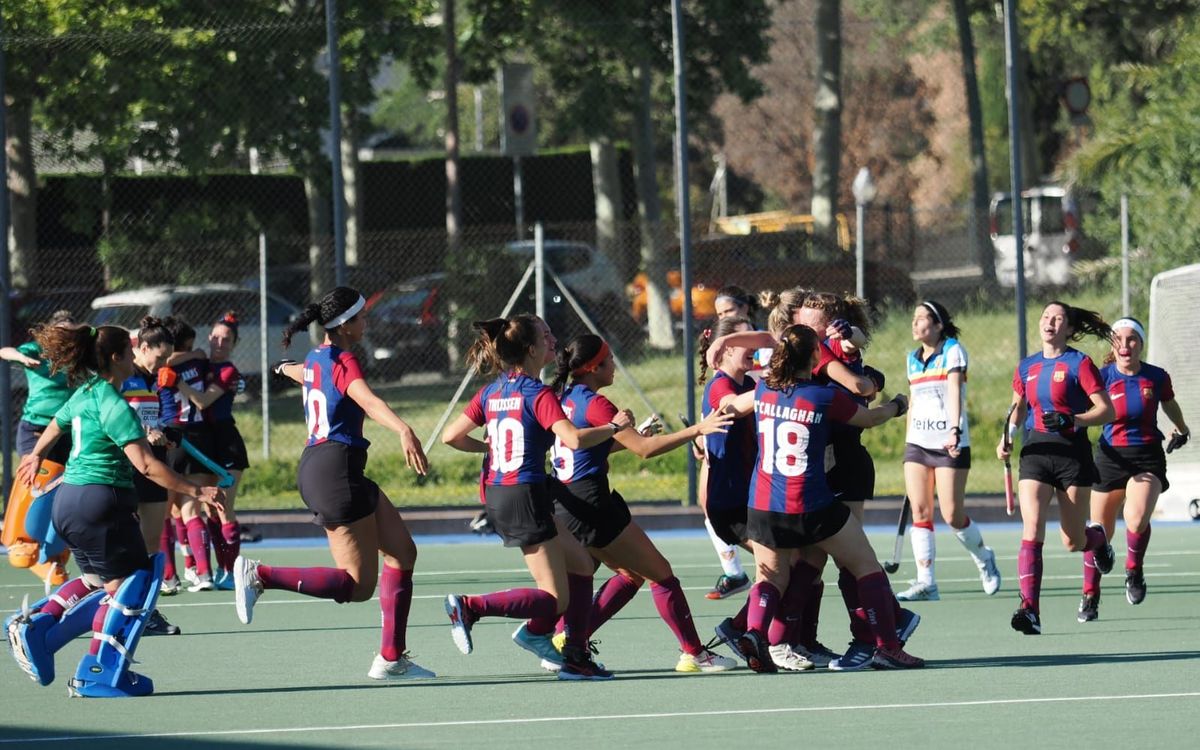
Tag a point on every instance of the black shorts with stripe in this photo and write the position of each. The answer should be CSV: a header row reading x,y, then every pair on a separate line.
x,y
1117,464
593,513
332,484
522,514
795,530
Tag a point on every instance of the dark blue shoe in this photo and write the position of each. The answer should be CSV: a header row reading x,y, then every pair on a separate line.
x,y
1026,621
906,625
858,657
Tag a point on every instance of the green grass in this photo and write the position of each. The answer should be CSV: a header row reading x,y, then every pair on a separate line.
x,y
989,334
296,678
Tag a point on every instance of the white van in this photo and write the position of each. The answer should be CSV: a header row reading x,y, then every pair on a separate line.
x,y
1051,224
201,305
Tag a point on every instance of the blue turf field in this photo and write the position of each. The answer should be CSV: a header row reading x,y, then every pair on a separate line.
x,y
296,676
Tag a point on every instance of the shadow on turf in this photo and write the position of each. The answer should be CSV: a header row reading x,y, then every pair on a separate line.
x,y
88,739
1064,660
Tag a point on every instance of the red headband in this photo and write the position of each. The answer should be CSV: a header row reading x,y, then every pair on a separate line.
x,y
594,362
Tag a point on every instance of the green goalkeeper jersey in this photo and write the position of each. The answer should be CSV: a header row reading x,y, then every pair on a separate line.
x,y
101,425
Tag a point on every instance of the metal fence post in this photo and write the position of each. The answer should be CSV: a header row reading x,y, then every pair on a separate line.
x,y
264,345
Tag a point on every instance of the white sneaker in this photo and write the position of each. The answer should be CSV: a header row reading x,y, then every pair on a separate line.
x,y
246,587
401,669
191,576
989,574
919,592
786,658
204,582
705,661
169,587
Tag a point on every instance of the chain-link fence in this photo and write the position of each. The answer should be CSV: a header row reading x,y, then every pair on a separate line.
x,y
128,201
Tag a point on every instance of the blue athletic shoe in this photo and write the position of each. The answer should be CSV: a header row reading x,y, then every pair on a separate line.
x,y
223,581
726,634
541,646
27,642
859,656
906,625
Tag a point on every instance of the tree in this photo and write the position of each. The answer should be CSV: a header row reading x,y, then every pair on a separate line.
x,y
827,112
984,253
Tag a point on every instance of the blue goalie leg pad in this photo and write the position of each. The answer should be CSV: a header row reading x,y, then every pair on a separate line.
x,y
34,636
106,674
75,621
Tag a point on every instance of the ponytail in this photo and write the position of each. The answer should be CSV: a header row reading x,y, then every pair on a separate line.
x,y
579,353
81,351
307,317
341,305
1085,323
723,327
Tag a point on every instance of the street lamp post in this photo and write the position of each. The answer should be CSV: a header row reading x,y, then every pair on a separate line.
x,y
864,193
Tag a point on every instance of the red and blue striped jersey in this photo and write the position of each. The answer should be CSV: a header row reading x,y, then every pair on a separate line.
x,y
328,411
585,408
177,410
794,426
730,454
225,375
518,412
1135,399
1062,384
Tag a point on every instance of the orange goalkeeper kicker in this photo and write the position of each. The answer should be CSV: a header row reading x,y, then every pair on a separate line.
x,y
19,502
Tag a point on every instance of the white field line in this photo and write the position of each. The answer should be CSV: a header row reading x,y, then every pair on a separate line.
x,y
208,733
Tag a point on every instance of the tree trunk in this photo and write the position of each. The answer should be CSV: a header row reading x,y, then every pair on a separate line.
x,y
606,186
980,240
654,261
453,188
350,174
827,129
22,191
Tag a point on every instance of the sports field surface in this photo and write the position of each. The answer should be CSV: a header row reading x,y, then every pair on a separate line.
x,y
296,677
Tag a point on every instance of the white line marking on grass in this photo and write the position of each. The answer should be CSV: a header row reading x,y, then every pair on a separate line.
x,y
555,719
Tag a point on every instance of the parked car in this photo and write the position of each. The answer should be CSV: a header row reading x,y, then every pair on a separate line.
x,y
1052,236
32,306
200,306
776,261
406,327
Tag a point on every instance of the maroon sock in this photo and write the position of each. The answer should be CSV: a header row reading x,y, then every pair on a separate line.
x,y
395,599
742,617
233,542
220,551
521,604
322,583
1096,537
876,595
763,602
181,535
1029,573
579,609
791,604
860,629
197,536
97,627
611,598
166,545
1091,574
806,626
674,610
66,597
1136,545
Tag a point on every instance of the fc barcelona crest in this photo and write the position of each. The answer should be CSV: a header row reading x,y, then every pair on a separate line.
x,y
1060,376
1147,392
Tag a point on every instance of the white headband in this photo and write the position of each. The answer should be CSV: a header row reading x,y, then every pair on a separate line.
x,y
1131,323
350,313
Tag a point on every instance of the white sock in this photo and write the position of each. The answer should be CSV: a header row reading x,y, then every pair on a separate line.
x,y
972,540
731,563
924,552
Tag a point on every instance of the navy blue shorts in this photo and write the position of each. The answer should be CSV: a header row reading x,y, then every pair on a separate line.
x,y
593,513
522,514
332,484
100,525
28,434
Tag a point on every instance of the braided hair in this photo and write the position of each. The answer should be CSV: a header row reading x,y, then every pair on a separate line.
x,y
330,307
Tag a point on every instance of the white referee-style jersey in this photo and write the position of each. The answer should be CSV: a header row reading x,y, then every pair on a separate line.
x,y
929,423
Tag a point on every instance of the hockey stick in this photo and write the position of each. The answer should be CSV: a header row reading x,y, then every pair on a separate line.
x,y
1010,503
891,566
224,478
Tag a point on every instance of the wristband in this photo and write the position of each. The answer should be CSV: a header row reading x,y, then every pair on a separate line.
x,y
615,427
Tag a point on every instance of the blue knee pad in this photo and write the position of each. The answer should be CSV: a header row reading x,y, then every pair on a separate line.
x,y
106,674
